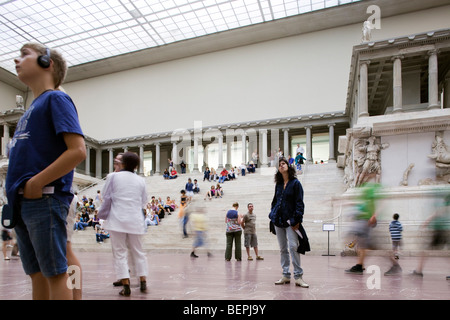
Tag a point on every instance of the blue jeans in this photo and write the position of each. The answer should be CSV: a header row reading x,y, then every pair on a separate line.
x,y
288,242
222,179
42,236
185,221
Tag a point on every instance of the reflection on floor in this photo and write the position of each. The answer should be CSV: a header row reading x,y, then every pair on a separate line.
x,y
180,277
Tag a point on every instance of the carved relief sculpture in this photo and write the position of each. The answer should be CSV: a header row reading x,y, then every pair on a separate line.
x,y
406,174
441,156
372,164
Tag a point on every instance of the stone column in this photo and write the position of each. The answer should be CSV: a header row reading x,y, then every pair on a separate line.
x,y
363,95
175,154
157,171
244,147
220,152
5,140
286,142
141,159
309,158
111,160
195,169
205,156
87,161
397,89
229,143
331,157
433,92
98,163
263,156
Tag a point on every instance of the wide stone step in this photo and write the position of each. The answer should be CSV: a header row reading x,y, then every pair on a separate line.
x,y
321,183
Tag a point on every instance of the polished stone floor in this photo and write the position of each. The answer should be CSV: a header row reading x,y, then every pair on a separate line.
x,y
177,276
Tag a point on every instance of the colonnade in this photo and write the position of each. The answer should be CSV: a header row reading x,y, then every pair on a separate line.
x,y
433,85
250,139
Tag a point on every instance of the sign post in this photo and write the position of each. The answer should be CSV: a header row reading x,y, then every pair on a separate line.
x,y
328,227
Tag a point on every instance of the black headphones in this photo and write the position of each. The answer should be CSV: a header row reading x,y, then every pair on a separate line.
x,y
44,60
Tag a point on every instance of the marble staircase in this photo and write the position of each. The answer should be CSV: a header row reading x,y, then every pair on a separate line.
x,y
321,183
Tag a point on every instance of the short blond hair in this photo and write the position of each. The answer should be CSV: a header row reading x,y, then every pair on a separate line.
x,y
59,63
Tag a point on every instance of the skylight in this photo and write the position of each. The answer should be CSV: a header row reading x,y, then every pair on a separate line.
x,y
89,30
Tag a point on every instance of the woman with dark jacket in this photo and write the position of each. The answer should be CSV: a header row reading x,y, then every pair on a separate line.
x,y
286,214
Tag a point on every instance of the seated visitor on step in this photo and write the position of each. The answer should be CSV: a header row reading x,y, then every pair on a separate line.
x,y
213,175
170,203
151,219
219,191
223,175
242,167
101,235
251,167
166,174
206,174
211,192
196,188
231,174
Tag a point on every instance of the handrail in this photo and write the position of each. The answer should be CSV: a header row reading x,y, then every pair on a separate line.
x,y
91,185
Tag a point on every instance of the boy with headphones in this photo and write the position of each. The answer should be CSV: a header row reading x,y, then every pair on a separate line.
x,y
47,145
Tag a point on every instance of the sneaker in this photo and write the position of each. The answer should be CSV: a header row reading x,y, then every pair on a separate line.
x,y
356,269
193,255
283,280
250,258
416,273
300,283
259,258
394,270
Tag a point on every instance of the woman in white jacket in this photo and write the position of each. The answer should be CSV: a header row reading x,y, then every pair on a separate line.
x,y
124,198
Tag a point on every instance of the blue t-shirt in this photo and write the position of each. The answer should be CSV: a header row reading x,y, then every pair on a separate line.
x,y
232,214
38,141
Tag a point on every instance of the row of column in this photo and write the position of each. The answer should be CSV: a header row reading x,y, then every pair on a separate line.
x,y
263,151
433,87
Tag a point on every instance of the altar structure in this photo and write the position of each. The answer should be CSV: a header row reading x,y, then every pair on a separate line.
x,y
398,106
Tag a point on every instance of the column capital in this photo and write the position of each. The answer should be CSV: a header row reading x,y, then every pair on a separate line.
x,y
285,129
398,56
433,52
364,62
309,126
331,124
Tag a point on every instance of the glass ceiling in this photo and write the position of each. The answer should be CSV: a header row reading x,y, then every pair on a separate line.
x,y
90,30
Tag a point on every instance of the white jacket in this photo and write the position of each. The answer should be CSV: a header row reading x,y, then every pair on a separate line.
x,y
125,192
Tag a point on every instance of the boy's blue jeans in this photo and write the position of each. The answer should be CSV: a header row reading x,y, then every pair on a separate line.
x,y
42,236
